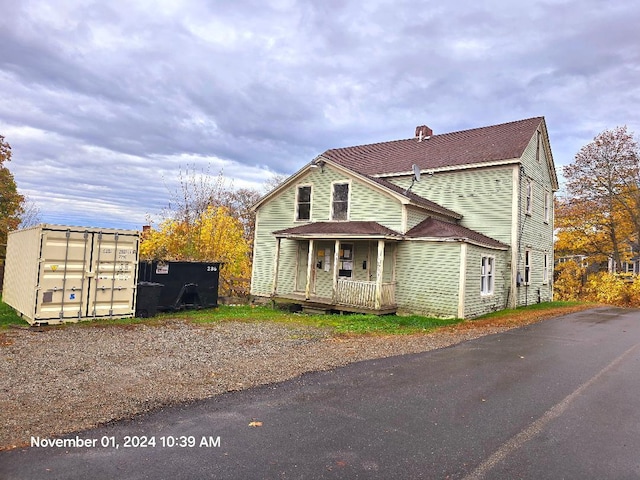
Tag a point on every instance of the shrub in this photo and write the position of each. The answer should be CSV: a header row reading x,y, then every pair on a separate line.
x,y
569,281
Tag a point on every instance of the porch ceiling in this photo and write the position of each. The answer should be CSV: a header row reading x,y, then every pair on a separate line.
x,y
352,230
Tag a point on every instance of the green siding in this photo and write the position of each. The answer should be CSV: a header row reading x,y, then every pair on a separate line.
x,y
427,278
476,304
415,216
537,235
366,203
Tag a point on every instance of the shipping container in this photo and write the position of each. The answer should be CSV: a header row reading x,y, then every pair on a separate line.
x,y
56,274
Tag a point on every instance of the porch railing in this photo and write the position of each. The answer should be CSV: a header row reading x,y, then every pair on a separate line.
x,y
355,293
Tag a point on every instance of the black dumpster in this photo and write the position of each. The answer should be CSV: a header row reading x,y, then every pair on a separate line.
x,y
186,284
147,298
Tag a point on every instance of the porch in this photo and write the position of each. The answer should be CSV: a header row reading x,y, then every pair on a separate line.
x,y
344,266
351,296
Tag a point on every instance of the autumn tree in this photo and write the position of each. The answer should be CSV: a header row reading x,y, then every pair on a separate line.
x,y
10,200
213,236
601,213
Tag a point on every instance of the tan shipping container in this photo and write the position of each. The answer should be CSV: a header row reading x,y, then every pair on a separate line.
x,y
56,274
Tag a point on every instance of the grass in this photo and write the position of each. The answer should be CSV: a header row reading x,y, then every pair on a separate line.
x,y
348,324
8,316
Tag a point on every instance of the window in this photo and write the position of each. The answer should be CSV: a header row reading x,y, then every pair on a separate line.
x,y
547,206
340,203
487,275
529,200
303,203
545,272
527,267
345,267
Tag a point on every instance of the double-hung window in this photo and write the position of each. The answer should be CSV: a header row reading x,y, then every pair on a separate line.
x,y
487,275
527,267
340,202
303,202
529,198
547,206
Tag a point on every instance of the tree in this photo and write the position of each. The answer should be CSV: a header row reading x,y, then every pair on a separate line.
x,y
10,200
214,236
601,214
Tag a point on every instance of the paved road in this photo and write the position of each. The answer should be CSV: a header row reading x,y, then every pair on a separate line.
x,y
556,400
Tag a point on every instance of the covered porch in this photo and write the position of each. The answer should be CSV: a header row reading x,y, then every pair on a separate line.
x,y
343,266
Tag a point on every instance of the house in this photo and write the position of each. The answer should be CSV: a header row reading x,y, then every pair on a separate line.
x,y
449,225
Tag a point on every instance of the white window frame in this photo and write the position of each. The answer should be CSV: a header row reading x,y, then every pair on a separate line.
x,y
333,188
545,272
296,212
547,206
346,260
529,198
487,278
526,280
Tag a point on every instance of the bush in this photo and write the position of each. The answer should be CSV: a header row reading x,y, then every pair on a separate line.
x,y
607,288
569,279
572,284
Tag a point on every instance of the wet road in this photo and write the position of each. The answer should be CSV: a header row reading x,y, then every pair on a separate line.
x,y
559,399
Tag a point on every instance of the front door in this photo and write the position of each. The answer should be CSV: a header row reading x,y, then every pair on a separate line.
x,y
302,266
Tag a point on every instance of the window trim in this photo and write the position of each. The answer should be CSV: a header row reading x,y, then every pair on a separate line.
x,y
545,271
547,206
333,189
343,258
296,210
526,280
490,276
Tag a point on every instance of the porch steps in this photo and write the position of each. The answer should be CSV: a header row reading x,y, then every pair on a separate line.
x,y
316,308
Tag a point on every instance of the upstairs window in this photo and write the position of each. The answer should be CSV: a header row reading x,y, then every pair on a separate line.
x,y
529,198
303,202
547,206
340,202
487,275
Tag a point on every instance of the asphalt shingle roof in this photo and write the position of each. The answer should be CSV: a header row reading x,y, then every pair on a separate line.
x,y
364,228
433,228
479,145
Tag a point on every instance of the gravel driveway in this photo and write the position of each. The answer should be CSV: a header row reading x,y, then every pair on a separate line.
x,y
61,380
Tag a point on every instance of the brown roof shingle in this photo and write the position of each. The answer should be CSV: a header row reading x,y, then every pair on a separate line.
x,y
433,228
358,228
479,145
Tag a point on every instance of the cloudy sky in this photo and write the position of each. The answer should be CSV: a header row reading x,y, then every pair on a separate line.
x,y
104,102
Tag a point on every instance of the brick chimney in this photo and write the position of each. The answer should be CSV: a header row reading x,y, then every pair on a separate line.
x,y
423,132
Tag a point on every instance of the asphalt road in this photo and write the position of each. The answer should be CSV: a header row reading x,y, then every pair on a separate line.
x,y
555,400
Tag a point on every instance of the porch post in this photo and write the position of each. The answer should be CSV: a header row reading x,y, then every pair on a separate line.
x,y
276,266
379,272
336,260
310,270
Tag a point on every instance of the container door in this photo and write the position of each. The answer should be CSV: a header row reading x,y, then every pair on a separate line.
x,y
62,280
114,270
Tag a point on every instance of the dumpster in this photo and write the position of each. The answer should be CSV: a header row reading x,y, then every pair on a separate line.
x,y
186,284
59,273
147,299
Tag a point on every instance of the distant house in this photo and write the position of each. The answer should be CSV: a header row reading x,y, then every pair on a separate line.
x,y
450,225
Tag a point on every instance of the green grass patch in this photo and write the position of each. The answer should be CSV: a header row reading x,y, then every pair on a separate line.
x,y
8,316
340,324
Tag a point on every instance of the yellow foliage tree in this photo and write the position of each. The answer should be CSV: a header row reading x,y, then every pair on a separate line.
x,y
215,235
569,280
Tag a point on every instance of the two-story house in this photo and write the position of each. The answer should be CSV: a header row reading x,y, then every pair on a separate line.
x,y
450,225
